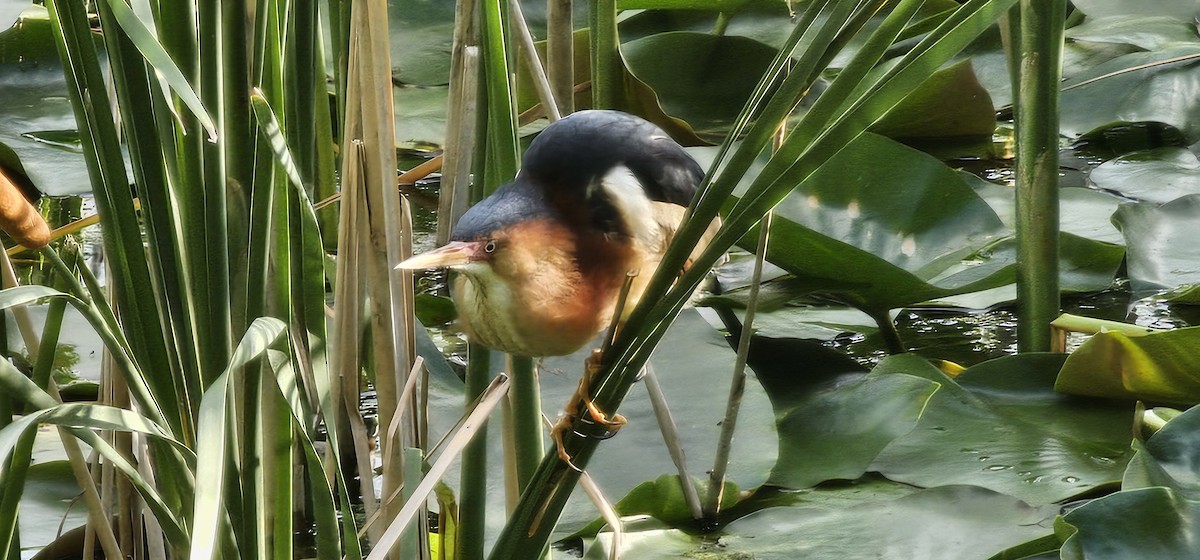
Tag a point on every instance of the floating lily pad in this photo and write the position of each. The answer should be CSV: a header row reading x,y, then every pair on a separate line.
x,y
811,322
420,117
861,231
948,522
839,430
1143,523
1170,458
29,42
693,365
833,419
1180,9
421,37
951,103
1159,175
1163,93
49,494
653,539
1124,138
1083,212
635,96
663,500
1148,33
1161,240
1161,366
1084,265
1001,425
1156,514
766,22
36,108
680,67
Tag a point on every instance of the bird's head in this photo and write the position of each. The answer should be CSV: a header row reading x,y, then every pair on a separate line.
x,y
484,236
463,256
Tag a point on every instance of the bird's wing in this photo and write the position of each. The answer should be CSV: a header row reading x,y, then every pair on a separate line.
x,y
576,151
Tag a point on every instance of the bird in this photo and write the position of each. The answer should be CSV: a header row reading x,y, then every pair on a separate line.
x,y
541,264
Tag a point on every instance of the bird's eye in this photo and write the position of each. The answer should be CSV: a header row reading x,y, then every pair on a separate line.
x,y
490,246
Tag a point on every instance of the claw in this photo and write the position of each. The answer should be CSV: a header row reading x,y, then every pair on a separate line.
x,y
556,433
612,424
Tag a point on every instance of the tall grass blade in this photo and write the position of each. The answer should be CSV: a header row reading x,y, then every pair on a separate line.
x,y
122,235
157,56
15,383
468,429
212,441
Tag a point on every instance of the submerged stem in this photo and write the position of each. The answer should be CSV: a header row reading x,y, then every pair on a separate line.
x,y
737,387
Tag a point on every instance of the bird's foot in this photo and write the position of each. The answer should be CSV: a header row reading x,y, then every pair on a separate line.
x,y
602,426
592,367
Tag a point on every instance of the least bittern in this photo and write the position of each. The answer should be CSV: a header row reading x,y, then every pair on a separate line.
x,y
542,261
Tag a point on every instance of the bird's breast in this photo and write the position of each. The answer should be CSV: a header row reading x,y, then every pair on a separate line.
x,y
537,304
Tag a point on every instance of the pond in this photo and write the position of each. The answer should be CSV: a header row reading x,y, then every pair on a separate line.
x,y
894,236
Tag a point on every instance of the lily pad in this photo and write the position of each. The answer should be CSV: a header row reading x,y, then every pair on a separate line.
x,y
1001,425
49,494
1180,9
420,117
693,365
949,522
833,419
1170,458
1149,33
1083,212
951,103
1161,240
1143,523
810,322
839,429
663,500
29,42
865,233
421,37
1163,93
1084,265
1156,514
635,96
766,22
36,108
701,78
1159,175
1160,366
1124,138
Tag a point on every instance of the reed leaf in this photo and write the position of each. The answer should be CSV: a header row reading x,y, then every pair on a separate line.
x,y
213,437
157,57
122,234
14,382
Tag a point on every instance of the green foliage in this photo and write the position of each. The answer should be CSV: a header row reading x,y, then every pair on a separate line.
x,y
679,68
1156,511
220,206
1160,367
227,235
924,114
1162,255
878,241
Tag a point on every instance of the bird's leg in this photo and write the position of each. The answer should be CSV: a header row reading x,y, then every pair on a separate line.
x,y
608,426
591,367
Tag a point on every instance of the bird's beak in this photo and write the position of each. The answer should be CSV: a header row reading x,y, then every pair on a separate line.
x,y
455,253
